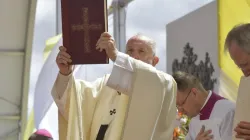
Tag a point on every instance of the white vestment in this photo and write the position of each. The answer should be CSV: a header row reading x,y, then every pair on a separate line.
x,y
219,114
145,109
243,103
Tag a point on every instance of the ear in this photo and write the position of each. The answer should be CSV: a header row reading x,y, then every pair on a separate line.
x,y
155,60
194,91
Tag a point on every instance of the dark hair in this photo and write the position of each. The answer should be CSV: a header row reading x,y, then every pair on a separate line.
x,y
187,81
39,137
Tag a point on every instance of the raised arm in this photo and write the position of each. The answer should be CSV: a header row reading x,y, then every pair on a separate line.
x,y
122,73
121,79
63,81
66,85
60,93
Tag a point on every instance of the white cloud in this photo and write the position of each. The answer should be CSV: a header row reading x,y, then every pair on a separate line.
x,y
150,17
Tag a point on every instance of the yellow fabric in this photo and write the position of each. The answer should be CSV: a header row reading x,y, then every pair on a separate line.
x,y
228,88
50,43
30,127
231,13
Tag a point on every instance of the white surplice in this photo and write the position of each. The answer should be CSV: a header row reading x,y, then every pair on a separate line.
x,y
145,109
219,118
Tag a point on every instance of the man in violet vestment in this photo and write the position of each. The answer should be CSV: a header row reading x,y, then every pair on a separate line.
x,y
41,134
212,115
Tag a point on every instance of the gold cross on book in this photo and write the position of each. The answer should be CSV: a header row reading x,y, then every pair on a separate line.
x,y
86,27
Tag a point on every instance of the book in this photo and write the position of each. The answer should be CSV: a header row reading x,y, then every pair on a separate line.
x,y
83,22
242,103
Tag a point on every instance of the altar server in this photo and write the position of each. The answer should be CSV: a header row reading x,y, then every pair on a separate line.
x,y
212,115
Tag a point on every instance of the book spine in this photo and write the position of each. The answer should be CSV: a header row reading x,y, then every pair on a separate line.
x,y
65,23
106,15
106,22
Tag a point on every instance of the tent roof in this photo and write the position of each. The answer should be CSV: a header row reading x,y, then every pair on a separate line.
x,y
15,53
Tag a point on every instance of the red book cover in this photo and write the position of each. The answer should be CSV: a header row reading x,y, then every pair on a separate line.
x,y
83,22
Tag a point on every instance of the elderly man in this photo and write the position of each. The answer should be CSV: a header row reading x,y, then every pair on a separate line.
x,y
135,102
212,115
238,45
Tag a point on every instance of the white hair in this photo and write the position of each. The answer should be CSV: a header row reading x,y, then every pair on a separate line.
x,y
149,41
240,34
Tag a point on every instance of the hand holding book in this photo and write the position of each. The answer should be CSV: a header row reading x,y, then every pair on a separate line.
x,y
63,61
107,43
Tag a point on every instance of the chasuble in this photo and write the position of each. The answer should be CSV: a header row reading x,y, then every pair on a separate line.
x,y
242,103
134,102
217,115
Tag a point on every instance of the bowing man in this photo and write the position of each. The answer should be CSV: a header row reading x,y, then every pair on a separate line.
x,y
238,45
212,115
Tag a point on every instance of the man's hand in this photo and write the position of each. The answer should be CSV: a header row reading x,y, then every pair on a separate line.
x,y
63,60
243,130
107,43
204,135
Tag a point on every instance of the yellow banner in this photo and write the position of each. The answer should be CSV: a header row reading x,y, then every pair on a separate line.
x,y
230,13
50,44
30,126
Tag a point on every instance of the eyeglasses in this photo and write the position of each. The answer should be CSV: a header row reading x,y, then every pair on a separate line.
x,y
184,101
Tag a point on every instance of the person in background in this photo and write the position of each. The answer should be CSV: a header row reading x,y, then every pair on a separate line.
x,y
41,134
238,45
212,115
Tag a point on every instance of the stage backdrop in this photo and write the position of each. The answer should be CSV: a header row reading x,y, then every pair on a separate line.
x,y
192,45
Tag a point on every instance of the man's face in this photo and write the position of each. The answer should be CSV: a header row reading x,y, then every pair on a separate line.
x,y
186,103
140,50
240,58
